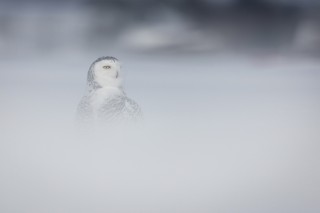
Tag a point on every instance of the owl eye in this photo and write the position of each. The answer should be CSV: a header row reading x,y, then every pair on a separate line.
x,y
106,67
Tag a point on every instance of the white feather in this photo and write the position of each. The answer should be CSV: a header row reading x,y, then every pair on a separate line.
x,y
106,101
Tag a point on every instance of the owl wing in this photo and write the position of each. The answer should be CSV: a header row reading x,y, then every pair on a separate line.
x,y
132,110
120,108
84,111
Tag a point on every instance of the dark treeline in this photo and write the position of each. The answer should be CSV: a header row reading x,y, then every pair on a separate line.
x,y
256,23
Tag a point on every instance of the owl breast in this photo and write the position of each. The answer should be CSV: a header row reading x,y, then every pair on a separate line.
x,y
113,105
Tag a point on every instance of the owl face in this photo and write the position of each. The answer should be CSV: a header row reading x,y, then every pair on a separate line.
x,y
107,69
107,72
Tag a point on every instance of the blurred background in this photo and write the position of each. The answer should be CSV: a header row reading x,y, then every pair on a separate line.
x,y
177,26
230,91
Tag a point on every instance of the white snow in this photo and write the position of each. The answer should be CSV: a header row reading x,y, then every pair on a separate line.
x,y
221,134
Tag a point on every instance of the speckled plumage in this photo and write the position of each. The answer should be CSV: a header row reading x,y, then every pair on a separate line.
x,y
105,100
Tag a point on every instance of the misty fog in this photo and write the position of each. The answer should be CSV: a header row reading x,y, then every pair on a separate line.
x,y
230,95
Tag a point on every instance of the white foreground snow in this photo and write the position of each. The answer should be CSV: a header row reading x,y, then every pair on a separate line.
x,y
221,134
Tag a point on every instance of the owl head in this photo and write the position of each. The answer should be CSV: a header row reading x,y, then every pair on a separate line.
x,y
104,72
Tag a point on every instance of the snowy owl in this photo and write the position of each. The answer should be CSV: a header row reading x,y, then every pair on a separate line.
x,y
105,100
